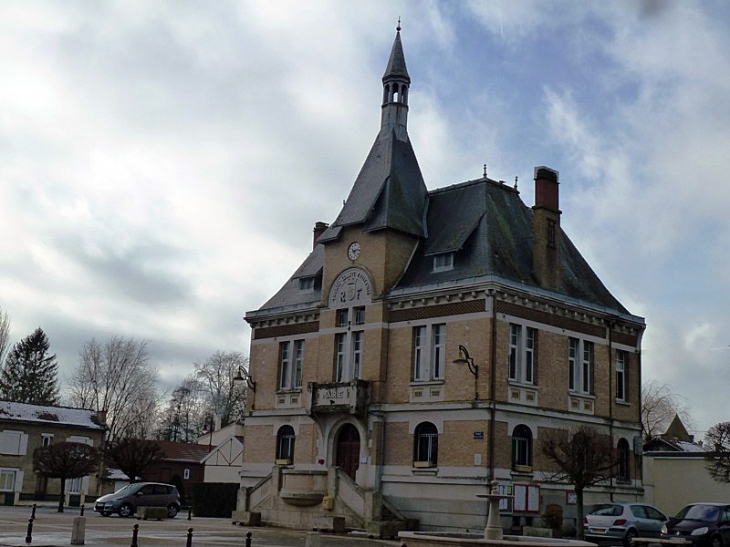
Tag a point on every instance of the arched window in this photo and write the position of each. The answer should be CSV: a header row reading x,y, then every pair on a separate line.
x,y
521,446
622,460
425,445
285,444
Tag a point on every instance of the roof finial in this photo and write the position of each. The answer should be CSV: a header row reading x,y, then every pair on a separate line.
x,y
484,175
515,182
398,27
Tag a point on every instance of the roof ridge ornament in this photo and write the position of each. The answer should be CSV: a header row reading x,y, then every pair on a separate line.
x,y
398,27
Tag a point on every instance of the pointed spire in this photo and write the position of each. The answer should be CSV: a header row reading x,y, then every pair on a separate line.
x,y
396,68
396,82
389,192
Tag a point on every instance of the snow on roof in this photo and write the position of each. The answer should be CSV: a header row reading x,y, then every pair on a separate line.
x,y
688,447
23,412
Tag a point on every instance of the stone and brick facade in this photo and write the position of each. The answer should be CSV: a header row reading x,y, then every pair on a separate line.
x,y
425,345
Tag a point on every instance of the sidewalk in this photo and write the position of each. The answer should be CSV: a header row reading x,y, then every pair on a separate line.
x,y
53,529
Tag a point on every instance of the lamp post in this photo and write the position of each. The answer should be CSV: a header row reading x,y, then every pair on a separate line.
x,y
240,378
466,359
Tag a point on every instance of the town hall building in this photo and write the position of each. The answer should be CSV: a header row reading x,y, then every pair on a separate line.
x,y
426,343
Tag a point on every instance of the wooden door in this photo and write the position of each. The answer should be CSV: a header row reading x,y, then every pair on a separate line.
x,y
348,450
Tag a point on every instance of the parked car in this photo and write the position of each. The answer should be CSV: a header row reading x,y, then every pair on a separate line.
x,y
704,524
127,500
622,522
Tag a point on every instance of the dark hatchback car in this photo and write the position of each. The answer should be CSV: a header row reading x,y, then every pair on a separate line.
x,y
127,500
704,524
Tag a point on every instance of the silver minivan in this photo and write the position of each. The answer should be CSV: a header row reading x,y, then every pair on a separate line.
x,y
125,501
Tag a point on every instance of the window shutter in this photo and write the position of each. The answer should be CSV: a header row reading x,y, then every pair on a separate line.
x,y
23,444
19,480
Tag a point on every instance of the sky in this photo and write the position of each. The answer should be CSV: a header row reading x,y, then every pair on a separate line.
x,y
162,164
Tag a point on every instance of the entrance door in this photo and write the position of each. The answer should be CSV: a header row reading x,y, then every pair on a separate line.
x,y
348,450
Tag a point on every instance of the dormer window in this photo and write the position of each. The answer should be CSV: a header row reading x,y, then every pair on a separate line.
x,y
443,262
306,284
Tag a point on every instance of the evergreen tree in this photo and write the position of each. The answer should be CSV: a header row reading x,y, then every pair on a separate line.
x,y
30,374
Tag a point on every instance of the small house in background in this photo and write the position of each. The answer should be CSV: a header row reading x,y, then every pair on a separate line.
x,y
182,466
25,427
225,456
113,480
675,473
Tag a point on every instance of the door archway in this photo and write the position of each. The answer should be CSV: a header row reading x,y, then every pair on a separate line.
x,y
347,452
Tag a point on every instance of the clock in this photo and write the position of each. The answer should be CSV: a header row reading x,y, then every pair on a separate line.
x,y
353,251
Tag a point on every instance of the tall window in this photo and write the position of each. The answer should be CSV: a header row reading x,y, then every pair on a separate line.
x,y
426,444
291,361
580,361
522,446
429,344
7,480
622,457
285,443
349,344
621,362
522,353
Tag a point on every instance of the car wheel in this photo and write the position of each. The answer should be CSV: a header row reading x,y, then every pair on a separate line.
x,y
172,511
125,510
716,541
105,513
629,538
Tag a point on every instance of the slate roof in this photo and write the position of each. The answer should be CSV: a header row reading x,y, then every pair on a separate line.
x,y
489,228
389,191
46,414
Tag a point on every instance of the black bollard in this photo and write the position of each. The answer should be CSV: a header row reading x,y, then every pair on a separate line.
x,y
190,538
190,511
32,513
82,510
134,535
248,539
29,535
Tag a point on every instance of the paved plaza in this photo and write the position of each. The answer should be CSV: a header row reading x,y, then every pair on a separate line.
x,y
53,529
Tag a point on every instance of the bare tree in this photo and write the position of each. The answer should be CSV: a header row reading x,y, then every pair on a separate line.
x,y
65,460
4,334
186,413
216,376
118,378
659,406
584,457
717,456
134,456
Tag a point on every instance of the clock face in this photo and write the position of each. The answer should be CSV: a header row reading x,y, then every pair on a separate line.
x,y
353,251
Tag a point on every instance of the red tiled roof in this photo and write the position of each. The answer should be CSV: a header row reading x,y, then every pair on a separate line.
x,y
183,452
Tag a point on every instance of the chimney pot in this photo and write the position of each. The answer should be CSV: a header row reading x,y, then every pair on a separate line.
x,y
319,228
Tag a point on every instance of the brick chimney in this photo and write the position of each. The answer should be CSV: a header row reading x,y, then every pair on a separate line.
x,y
100,417
546,229
319,228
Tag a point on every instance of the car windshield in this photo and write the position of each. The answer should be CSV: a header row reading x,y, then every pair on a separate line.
x,y
129,489
699,512
606,510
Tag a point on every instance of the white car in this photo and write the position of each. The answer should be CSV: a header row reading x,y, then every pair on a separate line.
x,y
621,522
